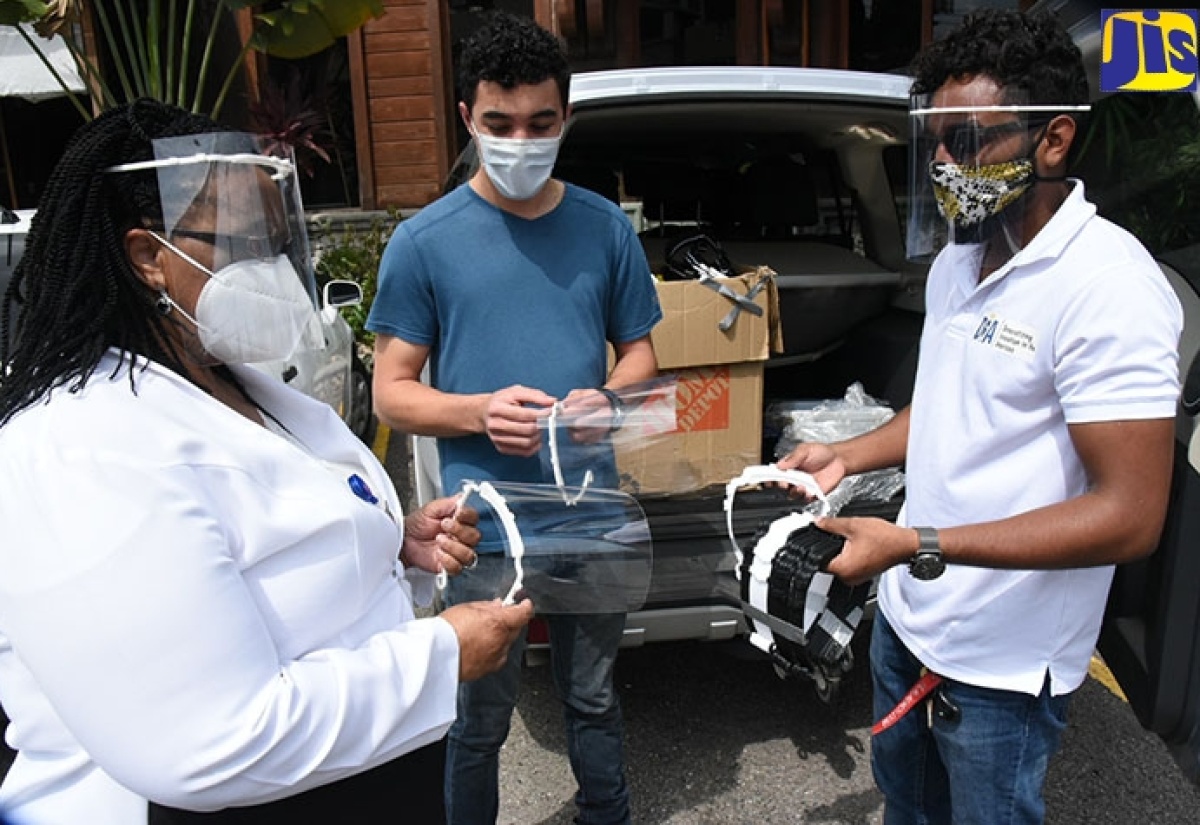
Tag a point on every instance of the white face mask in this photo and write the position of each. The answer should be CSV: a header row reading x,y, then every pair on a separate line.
x,y
251,310
518,167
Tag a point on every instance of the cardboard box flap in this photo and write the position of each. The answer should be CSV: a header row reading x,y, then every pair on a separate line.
x,y
709,323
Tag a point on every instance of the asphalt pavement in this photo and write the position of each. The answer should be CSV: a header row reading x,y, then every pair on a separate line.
x,y
713,737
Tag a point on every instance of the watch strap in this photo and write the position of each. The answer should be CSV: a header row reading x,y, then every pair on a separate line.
x,y
618,407
928,540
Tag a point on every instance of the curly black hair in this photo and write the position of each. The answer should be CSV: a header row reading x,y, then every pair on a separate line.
x,y
1031,53
76,289
512,51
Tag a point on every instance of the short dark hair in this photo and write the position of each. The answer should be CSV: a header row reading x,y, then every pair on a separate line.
x,y
1032,53
512,51
77,291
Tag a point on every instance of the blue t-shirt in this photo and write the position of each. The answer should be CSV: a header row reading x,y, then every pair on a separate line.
x,y
501,300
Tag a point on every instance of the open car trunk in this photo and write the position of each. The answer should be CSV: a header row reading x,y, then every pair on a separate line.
x,y
807,185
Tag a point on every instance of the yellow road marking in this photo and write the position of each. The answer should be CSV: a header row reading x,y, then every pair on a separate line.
x,y
1100,672
380,445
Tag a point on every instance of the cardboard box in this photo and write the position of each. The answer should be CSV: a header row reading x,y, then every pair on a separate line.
x,y
689,334
718,433
719,387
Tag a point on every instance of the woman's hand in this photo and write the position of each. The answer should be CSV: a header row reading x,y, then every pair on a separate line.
x,y
435,539
486,631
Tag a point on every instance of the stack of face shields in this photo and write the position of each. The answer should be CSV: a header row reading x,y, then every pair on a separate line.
x,y
803,617
568,549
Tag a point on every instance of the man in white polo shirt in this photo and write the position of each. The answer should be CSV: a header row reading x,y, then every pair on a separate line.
x,y
1038,443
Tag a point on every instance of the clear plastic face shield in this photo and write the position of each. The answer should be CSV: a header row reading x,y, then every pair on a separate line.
x,y
567,549
576,545
234,212
580,439
971,168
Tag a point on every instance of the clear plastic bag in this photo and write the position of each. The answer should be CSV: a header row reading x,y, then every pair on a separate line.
x,y
829,420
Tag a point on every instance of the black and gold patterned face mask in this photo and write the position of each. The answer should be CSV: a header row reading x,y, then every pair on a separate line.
x,y
969,195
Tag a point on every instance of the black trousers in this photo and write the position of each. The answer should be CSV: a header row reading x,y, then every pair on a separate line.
x,y
405,791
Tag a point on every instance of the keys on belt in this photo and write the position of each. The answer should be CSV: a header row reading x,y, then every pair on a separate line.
x,y
927,689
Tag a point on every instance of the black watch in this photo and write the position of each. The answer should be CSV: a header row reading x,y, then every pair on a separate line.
x,y
618,408
928,563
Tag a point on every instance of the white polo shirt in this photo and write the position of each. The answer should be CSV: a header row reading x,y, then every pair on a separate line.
x,y
1079,326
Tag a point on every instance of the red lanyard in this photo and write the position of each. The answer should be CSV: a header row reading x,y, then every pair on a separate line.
x,y
916,693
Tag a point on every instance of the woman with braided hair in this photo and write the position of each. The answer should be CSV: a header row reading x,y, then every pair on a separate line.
x,y
206,585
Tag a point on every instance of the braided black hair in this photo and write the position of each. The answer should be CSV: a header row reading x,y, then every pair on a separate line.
x,y
512,51
77,291
1032,53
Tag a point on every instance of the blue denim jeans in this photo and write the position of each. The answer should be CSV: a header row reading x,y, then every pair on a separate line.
x,y
986,766
583,650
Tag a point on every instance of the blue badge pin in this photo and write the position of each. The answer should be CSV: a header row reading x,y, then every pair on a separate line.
x,y
359,487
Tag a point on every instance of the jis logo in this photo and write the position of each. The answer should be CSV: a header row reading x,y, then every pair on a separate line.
x,y
1148,50
1007,337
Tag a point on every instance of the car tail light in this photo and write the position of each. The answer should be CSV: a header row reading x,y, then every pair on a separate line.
x,y
539,633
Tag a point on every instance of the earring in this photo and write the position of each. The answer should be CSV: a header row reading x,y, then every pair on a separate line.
x,y
164,303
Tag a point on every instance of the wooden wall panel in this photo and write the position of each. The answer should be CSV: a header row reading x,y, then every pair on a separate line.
x,y
405,100
402,152
415,63
406,109
408,17
392,132
390,42
410,189
400,86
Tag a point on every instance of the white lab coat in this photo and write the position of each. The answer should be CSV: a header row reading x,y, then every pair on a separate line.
x,y
196,611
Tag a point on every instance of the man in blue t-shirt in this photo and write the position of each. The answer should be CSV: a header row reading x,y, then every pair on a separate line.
x,y
510,287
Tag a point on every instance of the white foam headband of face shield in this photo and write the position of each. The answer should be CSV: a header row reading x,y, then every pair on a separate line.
x,y
556,465
507,520
967,110
760,474
282,167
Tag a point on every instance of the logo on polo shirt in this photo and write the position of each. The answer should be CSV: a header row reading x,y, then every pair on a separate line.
x,y
1148,50
1008,337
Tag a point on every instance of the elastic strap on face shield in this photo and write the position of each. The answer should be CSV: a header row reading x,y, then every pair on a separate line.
x,y
180,253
